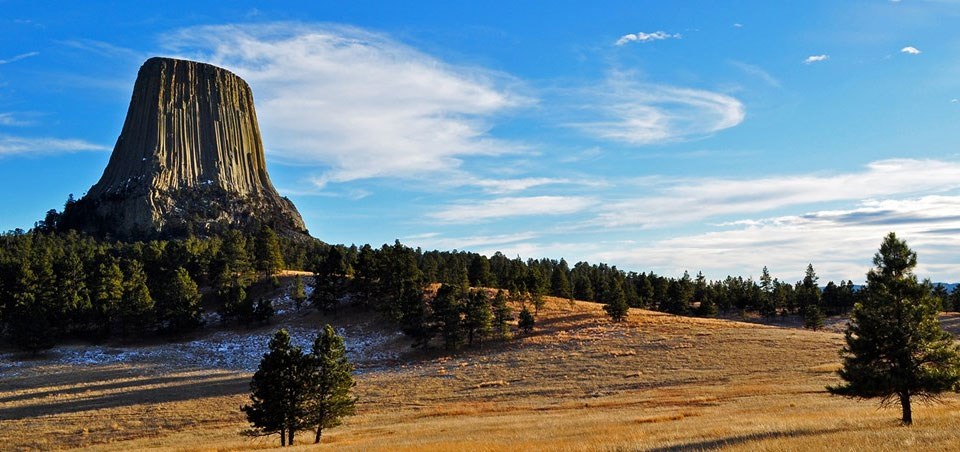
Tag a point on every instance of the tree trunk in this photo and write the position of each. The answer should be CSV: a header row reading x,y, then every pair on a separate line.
x,y
283,437
290,438
319,432
905,405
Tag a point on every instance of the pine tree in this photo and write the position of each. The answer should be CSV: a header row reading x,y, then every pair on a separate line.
x,y
526,321
329,382
278,391
448,307
560,282
135,312
107,292
808,299
263,310
235,303
72,296
616,303
416,316
501,314
954,300
234,252
896,348
179,308
768,304
330,279
479,272
813,319
299,294
478,318
266,251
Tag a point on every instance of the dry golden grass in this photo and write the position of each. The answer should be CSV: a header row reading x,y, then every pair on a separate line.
x,y
654,382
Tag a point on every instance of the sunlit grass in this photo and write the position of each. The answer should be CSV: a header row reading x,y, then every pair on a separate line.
x,y
577,383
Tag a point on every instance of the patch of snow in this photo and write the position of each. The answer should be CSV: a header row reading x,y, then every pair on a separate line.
x,y
220,349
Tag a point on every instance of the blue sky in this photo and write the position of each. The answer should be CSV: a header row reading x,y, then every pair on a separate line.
x,y
652,135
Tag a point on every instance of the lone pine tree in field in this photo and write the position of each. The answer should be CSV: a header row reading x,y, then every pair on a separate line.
x,y
896,348
328,397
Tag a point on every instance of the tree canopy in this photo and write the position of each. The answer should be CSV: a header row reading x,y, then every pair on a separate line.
x,y
896,348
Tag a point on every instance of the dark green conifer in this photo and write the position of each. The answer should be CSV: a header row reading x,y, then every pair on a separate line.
x,y
896,349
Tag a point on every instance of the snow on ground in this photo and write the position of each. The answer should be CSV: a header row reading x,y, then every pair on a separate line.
x,y
231,349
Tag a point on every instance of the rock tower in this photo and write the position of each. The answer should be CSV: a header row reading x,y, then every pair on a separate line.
x,y
188,160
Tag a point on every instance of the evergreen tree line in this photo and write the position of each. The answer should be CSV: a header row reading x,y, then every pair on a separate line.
x,y
60,285
391,278
57,285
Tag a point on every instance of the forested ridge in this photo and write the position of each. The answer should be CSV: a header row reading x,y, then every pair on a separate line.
x,y
61,285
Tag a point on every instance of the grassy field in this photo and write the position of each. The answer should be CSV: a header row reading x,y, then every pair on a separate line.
x,y
655,382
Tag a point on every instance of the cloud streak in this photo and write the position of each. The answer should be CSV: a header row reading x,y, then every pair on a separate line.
x,y
469,212
12,145
681,201
9,119
910,50
358,104
816,59
646,37
19,57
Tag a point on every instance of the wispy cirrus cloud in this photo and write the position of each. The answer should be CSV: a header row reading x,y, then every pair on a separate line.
x,y
673,201
19,57
502,186
13,145
12,119
437,241
478,211
646,37
356,103
104,49
645,113
758,72
816,59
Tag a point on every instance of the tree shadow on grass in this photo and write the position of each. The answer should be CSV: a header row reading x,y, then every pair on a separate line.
x,y
743,439
128,393
98,387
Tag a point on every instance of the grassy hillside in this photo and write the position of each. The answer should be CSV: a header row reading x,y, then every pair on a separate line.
x,y
655,382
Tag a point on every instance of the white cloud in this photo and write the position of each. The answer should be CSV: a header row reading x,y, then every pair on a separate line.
x,y
19,57
737,25
501,186
479,211
816,58
680,201
840,243
436,241
911,50
647,37
104,49
356,103
645,113
11,145
9,119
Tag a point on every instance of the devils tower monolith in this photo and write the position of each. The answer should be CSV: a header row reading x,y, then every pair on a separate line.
x,y
189,160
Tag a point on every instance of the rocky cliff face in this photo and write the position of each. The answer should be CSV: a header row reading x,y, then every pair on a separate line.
x,y
189,159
